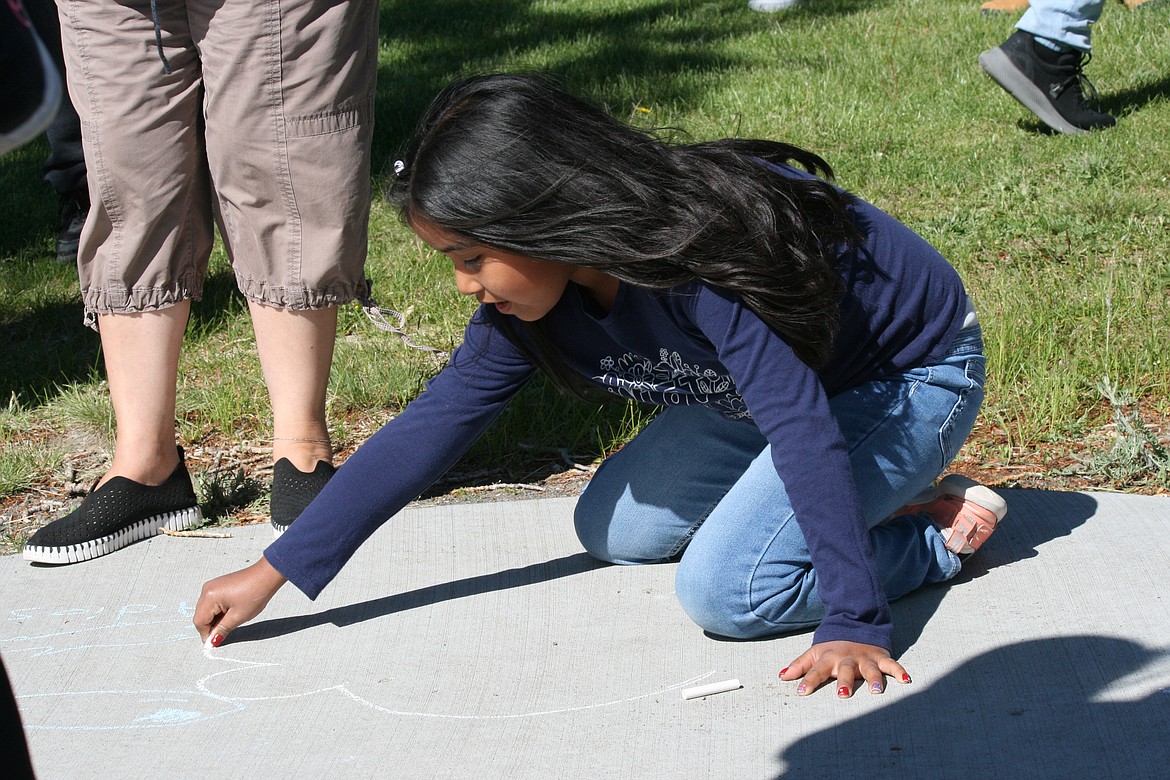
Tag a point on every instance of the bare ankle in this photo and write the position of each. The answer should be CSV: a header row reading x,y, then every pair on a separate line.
x,y
302,452
146,468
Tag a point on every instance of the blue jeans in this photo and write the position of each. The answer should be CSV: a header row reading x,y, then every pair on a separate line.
x,y
1067,22
697,484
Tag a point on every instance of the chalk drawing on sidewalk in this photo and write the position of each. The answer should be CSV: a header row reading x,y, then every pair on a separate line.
x,y
41,658
43,651
202,685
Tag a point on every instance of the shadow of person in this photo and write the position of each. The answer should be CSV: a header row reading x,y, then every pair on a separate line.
x,y
1045,708
567,566
1034,518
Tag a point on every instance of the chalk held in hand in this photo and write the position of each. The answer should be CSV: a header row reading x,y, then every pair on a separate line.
x,y
711,688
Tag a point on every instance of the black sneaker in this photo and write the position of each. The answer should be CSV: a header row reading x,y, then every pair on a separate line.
x,y
1048,83
293,490
72,211
115,515
29,82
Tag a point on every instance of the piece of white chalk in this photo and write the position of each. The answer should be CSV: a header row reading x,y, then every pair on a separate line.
x,y
711,688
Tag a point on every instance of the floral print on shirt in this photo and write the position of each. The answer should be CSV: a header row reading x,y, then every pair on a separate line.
x,y
671,382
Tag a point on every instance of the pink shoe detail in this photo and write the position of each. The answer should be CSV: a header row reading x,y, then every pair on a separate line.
x,y
965,512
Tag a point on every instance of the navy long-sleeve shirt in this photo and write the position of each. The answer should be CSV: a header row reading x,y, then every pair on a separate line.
x,y
692,344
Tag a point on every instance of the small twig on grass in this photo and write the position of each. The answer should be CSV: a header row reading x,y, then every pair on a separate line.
x,y
568,459
501,486
197,533
565,456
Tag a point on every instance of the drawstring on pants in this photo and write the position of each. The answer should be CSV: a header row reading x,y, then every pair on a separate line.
x,y
378,315
158,36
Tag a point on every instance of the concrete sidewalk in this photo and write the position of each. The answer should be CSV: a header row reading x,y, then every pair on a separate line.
x,y
478,641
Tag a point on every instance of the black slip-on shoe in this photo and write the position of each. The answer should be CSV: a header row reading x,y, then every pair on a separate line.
x,y
115,515
293,490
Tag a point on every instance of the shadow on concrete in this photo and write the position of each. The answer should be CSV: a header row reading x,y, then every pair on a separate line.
x,y
569,565
1034,518
1035,709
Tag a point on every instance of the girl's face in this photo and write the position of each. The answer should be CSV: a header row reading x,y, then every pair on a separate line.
x,y
515,284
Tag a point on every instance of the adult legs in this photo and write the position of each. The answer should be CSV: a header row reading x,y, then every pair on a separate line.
x,y
296,352
143,259
288,146
289,150
141,354
146,487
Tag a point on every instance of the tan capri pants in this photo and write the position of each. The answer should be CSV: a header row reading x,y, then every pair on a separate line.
x,y
263,125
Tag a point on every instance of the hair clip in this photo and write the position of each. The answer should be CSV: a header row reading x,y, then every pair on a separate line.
x,y
399,167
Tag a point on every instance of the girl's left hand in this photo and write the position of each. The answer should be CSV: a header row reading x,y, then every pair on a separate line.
x,y
846,661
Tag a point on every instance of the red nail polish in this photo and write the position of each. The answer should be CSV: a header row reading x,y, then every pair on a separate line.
x,y
905,677
843,690
782,671
216,640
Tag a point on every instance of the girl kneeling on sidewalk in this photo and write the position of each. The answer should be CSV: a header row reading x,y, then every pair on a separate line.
x,y
819,362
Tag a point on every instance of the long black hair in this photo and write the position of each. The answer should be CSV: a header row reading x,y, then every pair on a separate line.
x,y
514,162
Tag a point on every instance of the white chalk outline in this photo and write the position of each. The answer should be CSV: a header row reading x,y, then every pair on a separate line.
x,y
237,704
201,685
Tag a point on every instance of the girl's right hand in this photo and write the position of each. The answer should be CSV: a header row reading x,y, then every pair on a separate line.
x,y
233,599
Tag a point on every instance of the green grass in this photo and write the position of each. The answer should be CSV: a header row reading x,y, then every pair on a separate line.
x,y
21,463
1064,241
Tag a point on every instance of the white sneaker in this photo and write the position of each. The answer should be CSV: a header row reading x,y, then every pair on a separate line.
x,y
771,6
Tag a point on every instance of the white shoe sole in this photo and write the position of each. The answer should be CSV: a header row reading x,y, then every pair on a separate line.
x,y
95,548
